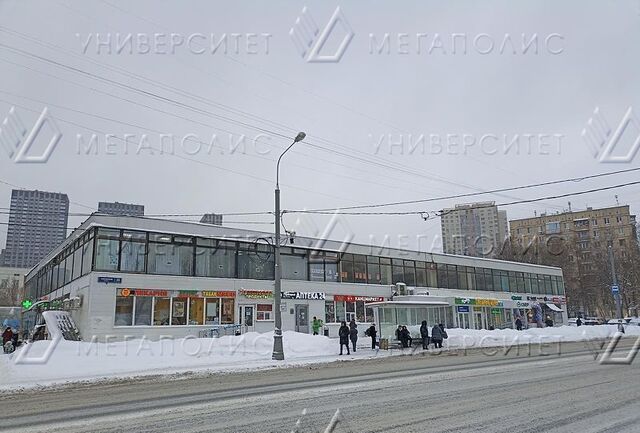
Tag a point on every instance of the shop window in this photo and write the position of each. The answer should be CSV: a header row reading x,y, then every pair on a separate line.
x,y
264,312
144,307
409,275
179,311
107,255
132,256
167,259
329,312
340,313
216,262
124,311
360,272
386,276
161,311
360,311
256,262
421,277
294,267
346,271
316,271
212,311
398,274
87,256
77,263
228,306
196,311
350,311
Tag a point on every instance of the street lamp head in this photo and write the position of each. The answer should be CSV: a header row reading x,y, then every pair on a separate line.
x,y
299,137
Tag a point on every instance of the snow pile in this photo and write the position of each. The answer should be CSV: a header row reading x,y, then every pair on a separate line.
x,y
70,360
471,338
43,363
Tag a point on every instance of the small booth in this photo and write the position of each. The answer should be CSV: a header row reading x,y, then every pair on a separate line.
x,y
410,311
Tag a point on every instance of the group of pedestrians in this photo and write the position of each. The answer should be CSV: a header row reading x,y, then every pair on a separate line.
x,y
438,335
349,333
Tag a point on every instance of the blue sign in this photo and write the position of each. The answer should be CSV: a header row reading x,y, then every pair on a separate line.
x,y
615,290
463,308
110,280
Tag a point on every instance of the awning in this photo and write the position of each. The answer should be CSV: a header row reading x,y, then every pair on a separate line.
x,y
554,307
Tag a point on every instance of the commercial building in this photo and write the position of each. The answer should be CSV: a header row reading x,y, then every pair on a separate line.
x,y
152,277
120,209
474,229
11,285
578,241
212,218
37,224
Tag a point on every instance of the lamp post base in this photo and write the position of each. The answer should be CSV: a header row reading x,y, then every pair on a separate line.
x,y
278,350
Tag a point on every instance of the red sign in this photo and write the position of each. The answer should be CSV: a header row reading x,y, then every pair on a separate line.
x,y
352,298
144,292
219,294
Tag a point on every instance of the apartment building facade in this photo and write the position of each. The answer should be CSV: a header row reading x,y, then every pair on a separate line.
x,y
474,229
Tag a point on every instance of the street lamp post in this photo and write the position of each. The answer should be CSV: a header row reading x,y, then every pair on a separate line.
x,y
278,349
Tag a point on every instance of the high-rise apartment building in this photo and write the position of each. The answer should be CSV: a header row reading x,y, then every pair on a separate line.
x,y
474,229
37,224
212,218
579,242
120,209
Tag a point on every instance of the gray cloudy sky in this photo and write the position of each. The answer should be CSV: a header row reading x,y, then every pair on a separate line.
x,y
415,75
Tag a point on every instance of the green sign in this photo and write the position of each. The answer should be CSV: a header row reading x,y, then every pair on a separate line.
x,y
516,298
496,311
26,304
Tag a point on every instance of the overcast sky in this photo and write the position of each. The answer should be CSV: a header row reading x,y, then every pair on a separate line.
x,y
414,75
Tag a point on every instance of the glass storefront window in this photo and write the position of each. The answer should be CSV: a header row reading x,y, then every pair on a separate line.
x,y
329,312
294,267
212,311
196,311
87,256
132,257
346,271
264,312
144,307
360,272
107,254
169,259
316,271
421,277
386,277
340,313
227,310
179,311
161,311
256,262
216,262
124,311
360,311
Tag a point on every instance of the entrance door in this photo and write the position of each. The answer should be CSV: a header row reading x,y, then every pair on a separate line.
x,y
479,320
302,318
247,315
463,320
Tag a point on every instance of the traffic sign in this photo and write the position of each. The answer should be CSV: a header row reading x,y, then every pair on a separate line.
x,y
615,290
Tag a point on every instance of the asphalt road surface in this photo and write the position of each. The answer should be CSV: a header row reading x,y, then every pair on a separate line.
x,y
549,389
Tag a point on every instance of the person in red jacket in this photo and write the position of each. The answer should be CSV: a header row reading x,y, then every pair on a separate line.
x,y
7,335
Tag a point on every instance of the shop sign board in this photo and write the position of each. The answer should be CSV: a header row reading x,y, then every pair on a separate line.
x,y
352,298
496,311
163,293
516,298
257,294
521,304
481,302
463,308
307,296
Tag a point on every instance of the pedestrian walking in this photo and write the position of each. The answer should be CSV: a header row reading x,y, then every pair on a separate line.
x,y
519,324
424,333
548,322
437,336
343,333
372,332
353,333
7,340
316,324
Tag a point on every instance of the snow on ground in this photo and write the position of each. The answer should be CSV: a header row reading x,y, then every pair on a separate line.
x,y
37,365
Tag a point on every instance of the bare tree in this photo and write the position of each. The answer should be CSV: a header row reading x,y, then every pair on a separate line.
x,y
10,292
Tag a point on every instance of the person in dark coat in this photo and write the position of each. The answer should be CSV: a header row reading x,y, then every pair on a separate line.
x,y
578,322
424,333
372,332
353,333
399,333
548,322
436,336
343,333
405,337
7,335
519,324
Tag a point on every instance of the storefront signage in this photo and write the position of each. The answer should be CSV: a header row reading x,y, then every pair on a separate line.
x,y
350,298
218,294
125,292
145,292
309,296
110,280
496,311
522,304
554,299
463,309
257,294
478,302
516,298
